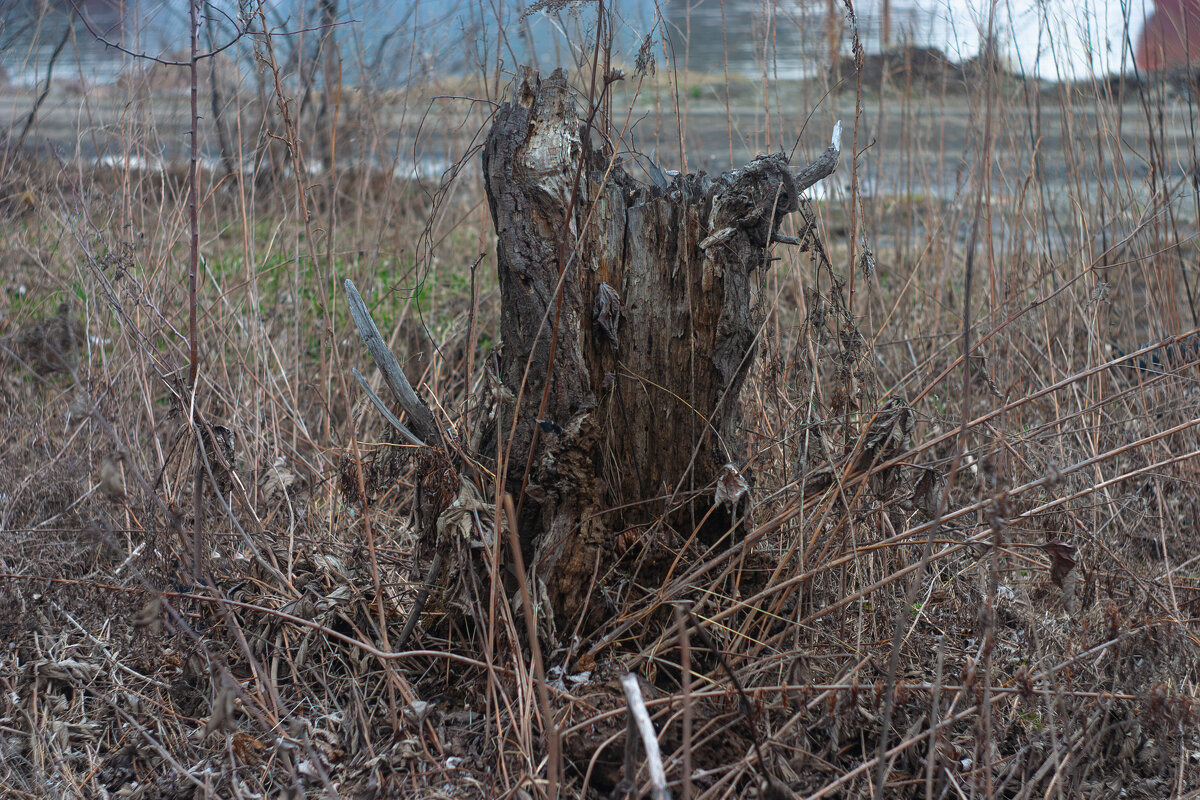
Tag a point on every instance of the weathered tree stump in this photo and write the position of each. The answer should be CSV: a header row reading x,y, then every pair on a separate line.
x,y
630,313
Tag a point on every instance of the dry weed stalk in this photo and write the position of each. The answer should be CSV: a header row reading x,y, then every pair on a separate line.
x,y
1022,626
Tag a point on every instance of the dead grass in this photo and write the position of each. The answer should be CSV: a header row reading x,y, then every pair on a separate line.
x,y
1035,634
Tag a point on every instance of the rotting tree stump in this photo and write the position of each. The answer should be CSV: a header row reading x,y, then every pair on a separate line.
x,y
630,315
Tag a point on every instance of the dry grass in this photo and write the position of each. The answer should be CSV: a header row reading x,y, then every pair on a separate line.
x,y
1035,635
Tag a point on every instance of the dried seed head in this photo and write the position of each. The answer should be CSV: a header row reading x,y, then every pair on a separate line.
x,y
644,63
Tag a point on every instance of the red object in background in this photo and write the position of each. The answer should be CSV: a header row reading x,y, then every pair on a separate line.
x,y
1171,38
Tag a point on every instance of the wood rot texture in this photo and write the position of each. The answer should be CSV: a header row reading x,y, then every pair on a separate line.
x,y
651,289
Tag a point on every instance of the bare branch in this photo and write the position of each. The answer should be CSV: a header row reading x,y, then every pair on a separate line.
x,y
383,409
637,709
168,62
423,423
316,28
825,164
42,97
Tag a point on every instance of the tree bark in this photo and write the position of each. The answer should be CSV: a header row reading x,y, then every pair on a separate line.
x,y
630,311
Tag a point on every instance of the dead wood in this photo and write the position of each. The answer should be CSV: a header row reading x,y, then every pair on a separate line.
x,y
629,319
630,314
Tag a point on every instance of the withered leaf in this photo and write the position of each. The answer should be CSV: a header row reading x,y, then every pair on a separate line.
x,y
606,311
731,486
929,491
644,63
866,262
818,480
1062,559
218,449
151,615
888,433
112,485
222,716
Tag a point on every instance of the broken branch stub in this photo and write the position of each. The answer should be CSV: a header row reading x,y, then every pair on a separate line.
x,y
824,166
424,426
647,295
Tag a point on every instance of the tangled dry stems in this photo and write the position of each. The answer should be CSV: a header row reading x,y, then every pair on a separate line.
x,y
1036,636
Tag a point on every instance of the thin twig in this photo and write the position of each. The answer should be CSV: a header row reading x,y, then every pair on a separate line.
x,y
636,708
